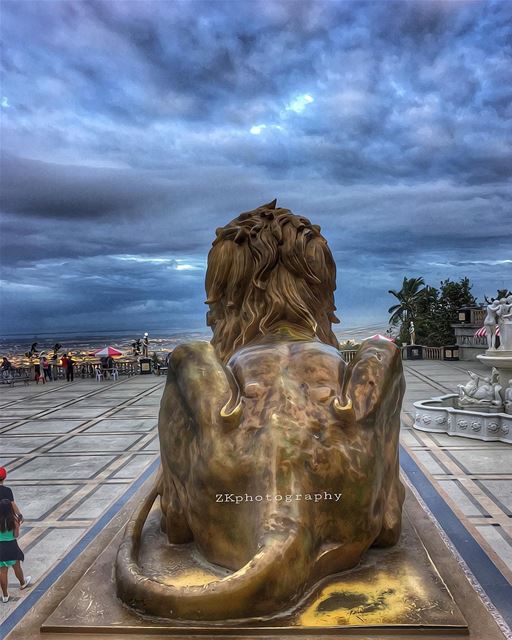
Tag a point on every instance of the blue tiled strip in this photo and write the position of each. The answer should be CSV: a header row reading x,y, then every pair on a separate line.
x,y
40,588
485,571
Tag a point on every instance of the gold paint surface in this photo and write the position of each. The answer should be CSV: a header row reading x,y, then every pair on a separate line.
x,y
190,577
382,600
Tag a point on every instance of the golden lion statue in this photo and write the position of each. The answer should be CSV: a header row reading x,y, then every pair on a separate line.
x,y
279,461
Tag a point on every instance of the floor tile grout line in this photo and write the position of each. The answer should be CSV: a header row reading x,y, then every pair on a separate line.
x,y
424,378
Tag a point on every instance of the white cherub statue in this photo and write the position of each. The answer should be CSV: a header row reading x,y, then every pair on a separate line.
x,y
481,391
504,315
490,323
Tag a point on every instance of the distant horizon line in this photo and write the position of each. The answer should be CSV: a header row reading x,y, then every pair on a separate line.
x,y
80,332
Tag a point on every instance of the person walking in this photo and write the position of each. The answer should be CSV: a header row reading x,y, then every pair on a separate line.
x,y
69,369
6,493
10,553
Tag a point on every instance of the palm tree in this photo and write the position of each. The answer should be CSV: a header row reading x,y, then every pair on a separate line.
x,y
408,297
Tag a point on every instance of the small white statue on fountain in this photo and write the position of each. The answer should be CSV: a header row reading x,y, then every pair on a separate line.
x,y
485,393
490,323
504,314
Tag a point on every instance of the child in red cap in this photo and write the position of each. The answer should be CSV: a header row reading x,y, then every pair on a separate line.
x,y
6,494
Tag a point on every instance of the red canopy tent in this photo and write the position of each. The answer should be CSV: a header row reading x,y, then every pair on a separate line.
x,y
108,351
379,336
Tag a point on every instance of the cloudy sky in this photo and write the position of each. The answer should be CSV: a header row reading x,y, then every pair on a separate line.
x,y
131,130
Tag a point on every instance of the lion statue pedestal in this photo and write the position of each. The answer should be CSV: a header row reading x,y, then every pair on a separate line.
x,y
277,508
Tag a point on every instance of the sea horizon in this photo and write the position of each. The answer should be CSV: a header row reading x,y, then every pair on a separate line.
x,y
159,339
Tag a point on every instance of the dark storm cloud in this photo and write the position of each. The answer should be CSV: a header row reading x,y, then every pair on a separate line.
x,y
132,129
398,87
39,189
103,292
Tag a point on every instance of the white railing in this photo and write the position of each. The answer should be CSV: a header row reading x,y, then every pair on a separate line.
x,y
433,353
428,353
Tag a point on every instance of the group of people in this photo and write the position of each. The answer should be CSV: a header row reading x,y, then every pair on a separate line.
x,y
43,370
11,556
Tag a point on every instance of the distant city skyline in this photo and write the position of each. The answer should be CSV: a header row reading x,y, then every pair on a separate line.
x,y
131,130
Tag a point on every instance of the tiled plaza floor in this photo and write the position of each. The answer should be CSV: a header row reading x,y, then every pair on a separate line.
x,y
73,450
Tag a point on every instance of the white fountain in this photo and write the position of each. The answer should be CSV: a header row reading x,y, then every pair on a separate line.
x,y
483,407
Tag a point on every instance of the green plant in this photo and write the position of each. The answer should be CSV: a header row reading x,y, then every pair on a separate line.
x,y
406,309
432,310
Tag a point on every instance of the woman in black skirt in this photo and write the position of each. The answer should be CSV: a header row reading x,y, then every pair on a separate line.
x,y
10,554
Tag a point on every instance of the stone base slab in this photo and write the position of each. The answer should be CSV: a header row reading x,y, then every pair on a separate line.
x,y
395,591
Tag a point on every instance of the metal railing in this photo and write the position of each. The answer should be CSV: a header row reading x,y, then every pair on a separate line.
x,y
88,369
15,374
427,353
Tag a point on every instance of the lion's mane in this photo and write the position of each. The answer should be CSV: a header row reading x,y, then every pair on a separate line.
x,y
267,268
